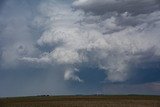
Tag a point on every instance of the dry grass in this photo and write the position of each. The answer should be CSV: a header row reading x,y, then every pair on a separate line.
x,y
82,101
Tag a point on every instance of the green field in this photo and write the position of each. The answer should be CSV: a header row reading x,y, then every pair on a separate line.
x,y
82,101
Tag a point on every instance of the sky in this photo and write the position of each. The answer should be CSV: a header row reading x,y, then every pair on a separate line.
x,y
70,47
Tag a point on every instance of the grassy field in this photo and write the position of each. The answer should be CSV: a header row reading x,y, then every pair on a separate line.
x,y
82,101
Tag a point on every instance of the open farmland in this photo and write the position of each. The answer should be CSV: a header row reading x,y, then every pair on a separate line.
x,y
82,101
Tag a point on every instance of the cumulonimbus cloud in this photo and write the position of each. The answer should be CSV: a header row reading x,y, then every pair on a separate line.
x,y
113,41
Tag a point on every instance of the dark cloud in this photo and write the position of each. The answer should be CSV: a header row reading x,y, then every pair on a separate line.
x,y
1,4
134,7
140,89
28,81
146,70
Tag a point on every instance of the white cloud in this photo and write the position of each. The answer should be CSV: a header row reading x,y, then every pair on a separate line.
x,y
47,42
110,41
65,56
70,75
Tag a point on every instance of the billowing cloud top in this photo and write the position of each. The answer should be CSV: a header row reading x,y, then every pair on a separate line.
x,y
117,37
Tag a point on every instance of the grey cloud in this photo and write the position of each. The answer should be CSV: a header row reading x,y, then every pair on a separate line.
x,y
142,89
18,36
1,4
103,6
119,39
110,41
30,80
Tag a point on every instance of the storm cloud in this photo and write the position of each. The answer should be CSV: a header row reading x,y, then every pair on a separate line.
x,y
104,6
118,40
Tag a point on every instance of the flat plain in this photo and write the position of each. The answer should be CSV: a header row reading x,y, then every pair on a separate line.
x,y
82,101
